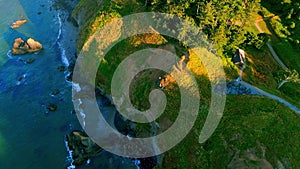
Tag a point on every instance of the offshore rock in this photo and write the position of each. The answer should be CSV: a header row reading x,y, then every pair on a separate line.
x,y
82,147
21,46
18,23
52,107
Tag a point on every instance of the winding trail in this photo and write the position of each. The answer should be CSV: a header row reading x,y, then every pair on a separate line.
x,y
264,93
274,54
256,89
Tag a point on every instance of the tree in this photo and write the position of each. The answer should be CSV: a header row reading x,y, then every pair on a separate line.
x,y
222,21
290,76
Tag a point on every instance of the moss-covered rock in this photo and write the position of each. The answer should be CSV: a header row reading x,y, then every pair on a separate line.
x,y
82,147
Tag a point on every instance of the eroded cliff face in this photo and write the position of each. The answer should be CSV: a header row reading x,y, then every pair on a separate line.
x,y
84,16
85,10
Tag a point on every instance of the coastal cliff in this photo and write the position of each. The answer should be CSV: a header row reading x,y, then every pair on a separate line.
x,y
244,137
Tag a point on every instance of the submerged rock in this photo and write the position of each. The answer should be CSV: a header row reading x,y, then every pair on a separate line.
x,y
55,92
61,68
18,23
30,60
52,107
21,46
82,147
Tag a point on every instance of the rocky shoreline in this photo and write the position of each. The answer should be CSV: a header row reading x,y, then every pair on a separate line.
x,y
124,126
80,147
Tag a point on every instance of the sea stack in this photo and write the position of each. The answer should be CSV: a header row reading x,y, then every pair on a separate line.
x,y
21,46
18,23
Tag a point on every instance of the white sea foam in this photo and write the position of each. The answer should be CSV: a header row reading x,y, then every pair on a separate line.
x,y
20,81
82,114
60,26
69,157
78,103
9,54
64,58
76,87
137,163
66,77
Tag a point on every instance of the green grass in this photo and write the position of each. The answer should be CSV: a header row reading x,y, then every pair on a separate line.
x,y
248,123
250,27
284,44
292,90
260,72
260,67
264,27
142,85
288,53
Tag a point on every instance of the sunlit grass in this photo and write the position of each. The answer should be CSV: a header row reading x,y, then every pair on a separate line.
x,y
264,27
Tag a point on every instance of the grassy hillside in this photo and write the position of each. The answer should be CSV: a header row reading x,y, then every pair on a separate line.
x,y
254,131
249,133
262,69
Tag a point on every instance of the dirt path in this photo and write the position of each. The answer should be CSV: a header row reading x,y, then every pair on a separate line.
x,y
274,54
256,90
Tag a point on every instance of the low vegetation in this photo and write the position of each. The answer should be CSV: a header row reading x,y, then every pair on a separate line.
x,y
252,126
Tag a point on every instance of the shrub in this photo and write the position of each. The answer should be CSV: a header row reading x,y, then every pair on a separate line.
x,y
293,25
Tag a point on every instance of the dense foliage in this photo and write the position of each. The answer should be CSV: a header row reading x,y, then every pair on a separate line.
x,y
222,21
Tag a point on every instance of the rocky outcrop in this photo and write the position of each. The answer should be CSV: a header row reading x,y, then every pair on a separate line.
x,y
21,46
82,147
85,10
18,23
250,158
250,162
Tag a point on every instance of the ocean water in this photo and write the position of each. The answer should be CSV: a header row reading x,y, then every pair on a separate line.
x,y
31,137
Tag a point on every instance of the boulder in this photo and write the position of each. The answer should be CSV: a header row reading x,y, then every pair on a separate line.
x,y
61,68
21,46
30,60
18,23
52,107
55,92
82,147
